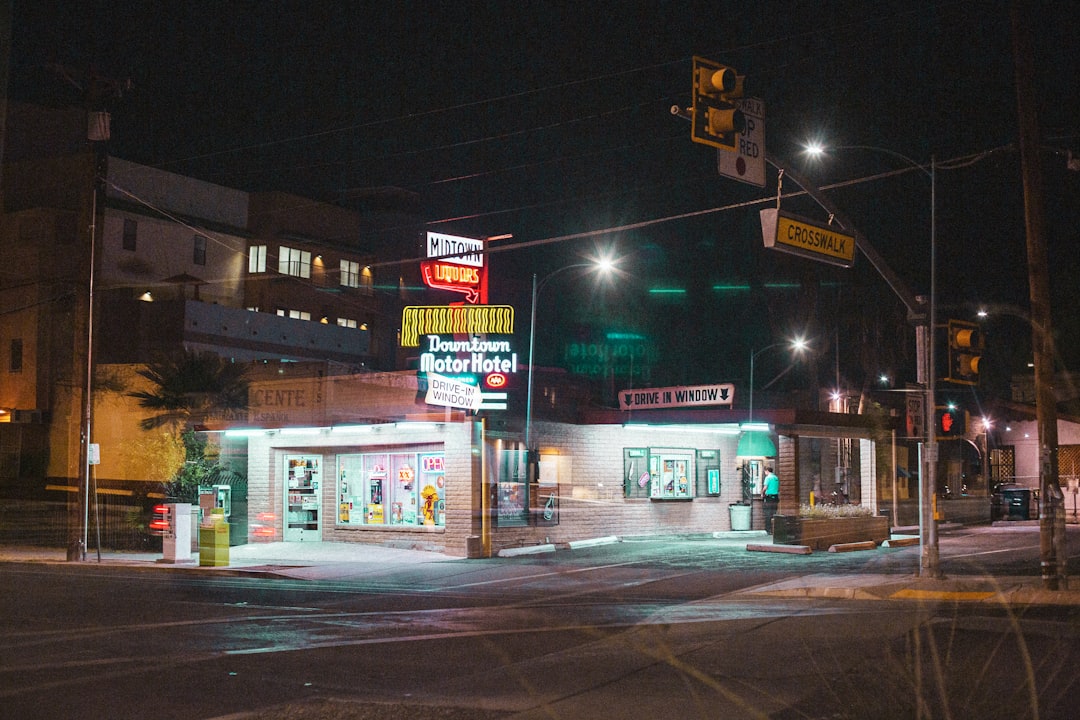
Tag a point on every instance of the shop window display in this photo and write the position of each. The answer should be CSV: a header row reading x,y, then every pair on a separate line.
x,y
396,489
667,474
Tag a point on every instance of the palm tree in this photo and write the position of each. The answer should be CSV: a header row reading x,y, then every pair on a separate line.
x,y
190,386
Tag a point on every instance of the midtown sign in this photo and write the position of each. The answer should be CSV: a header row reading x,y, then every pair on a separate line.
x,y
682,396
456,264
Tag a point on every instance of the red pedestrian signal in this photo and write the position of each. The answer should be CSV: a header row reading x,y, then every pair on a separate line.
x,y
950,423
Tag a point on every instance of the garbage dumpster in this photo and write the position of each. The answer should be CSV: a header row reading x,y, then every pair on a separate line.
x,y
214,540
1016,502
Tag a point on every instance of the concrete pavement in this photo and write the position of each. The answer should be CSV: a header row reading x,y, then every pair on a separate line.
x,y
329,560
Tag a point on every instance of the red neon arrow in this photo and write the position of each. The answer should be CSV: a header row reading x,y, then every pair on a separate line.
x,y
472,294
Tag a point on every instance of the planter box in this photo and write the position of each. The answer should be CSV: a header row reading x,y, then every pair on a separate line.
x,y
820,533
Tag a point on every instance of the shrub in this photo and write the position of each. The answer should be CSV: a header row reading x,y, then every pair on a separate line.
x,y
834,511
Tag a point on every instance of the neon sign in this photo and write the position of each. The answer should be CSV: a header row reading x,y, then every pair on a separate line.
x,y
418,320
473,356
455,278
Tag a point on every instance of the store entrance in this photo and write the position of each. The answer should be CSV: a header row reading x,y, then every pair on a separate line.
x,y
303,498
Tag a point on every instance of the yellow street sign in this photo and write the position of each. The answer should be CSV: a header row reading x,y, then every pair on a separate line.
x,y
793,234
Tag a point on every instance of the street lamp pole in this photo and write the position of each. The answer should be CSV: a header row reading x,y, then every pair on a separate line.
x,y
798,344
925,362
537,287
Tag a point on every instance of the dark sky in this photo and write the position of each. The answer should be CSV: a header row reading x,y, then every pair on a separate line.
x,y
547,119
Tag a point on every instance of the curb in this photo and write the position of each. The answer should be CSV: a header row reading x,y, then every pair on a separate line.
x,y
593,542
788,549
527,550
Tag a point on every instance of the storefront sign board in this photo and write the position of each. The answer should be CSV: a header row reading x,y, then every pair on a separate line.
x,y
448,392
680,396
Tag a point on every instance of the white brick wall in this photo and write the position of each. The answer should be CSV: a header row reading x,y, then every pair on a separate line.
x,y
590,477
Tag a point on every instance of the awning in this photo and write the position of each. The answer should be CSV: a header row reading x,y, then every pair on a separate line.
x,y
756,443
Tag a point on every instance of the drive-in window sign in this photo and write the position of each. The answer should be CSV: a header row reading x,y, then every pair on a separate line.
x,y
793,234
449,392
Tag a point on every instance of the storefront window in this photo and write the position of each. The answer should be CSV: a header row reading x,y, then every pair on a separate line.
x,y
669,473
671,476
407,489
512,500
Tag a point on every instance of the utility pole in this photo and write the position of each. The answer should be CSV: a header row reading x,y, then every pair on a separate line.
x,y
96,92
1052,551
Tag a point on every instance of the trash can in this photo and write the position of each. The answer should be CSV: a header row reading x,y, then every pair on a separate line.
x,y
214,540
1016,503
740,517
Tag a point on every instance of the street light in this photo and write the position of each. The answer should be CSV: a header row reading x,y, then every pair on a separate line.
x,y
797,345
928,539
602,265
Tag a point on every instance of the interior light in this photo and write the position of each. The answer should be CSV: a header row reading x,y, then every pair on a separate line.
x,y
755,427
301,431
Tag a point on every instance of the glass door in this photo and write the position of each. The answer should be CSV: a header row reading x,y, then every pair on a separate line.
x,y
303,498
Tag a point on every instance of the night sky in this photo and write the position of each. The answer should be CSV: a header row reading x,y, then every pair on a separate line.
x,y
551,120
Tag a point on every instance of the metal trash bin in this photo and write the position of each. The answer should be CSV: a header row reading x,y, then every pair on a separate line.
x,y
1016,503
740,516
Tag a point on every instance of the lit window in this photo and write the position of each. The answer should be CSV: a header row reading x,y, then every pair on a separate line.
x,y
257,259
294,262
406,488
199,257
294,314
350,273
346,322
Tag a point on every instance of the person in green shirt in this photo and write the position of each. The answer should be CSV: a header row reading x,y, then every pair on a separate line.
x,y
770,494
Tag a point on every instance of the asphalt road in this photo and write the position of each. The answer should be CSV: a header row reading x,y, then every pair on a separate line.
x,y
645,629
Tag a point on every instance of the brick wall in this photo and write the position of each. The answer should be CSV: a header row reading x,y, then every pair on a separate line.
x,y
591,476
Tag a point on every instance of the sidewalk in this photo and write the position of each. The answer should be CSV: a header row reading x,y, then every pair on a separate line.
x,y
310,560
330,560
1008,591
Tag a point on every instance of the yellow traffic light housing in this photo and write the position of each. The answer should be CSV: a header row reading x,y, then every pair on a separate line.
x,y
715,115
965,352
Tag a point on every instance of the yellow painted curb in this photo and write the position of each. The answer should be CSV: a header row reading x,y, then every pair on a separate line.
x,y
911,594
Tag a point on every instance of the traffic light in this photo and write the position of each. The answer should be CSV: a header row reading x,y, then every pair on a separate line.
x,y
950,422
715,115
965,352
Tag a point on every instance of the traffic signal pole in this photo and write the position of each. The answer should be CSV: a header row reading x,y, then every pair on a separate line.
x,y
921,314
